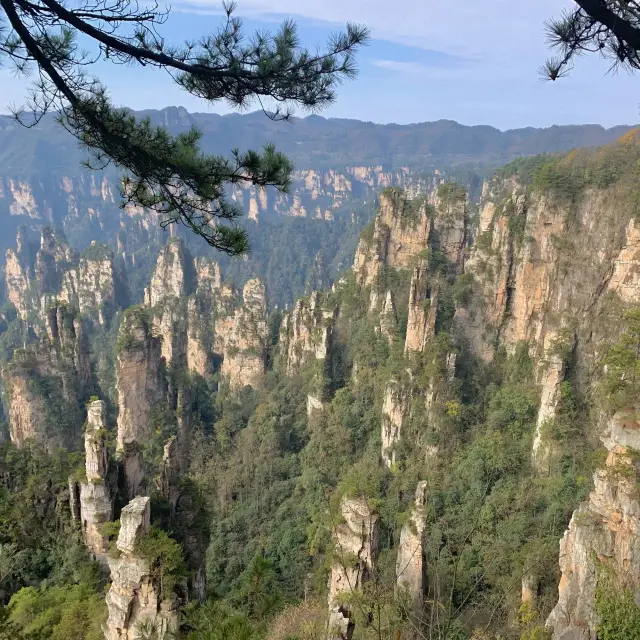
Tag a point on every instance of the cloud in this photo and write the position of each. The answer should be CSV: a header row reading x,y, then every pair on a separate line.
x,y
422,70
492,29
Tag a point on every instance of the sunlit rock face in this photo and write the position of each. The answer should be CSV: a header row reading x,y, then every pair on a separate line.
x,y
409,559
356,543
96,506
134,598
604,534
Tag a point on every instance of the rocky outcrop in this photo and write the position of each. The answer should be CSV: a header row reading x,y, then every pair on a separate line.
x,y
96,506
552,375
305,333
388,318
45,381
423,308
244,345
139,377
134,598
395,408
356,543
96,288
539,262
57,276
18,271
401,231
409,567
603,538
450,223
172,277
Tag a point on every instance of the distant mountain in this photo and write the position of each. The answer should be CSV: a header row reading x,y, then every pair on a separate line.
x,y
309,234
315,142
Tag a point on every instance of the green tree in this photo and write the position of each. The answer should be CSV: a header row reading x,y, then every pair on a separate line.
x,y
621,379
608,27
169,174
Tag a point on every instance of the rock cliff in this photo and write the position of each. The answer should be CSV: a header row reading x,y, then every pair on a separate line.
x,y
356,542
45,381
305,332
395,408
550,268
603,538
57,275
133,600
96,506
244,344
409,567
400,232
140,382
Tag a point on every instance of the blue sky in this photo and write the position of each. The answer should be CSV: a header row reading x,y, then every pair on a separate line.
x,y
474,62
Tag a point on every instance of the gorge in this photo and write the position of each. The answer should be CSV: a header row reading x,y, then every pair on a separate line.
x,y
439,443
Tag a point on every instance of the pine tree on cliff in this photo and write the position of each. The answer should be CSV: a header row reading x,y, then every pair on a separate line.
x,y
169,174
608,27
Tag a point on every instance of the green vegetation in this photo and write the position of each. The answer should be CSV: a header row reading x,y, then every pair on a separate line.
x,y
59,613
97,251
165,557
621,380
618,612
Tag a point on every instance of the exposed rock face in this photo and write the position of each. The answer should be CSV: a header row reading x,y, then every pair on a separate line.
x,y
409,569
17,273
97,284
401,231
538,264
605,529
170,327
306,332
394,410
139,377
87,284
171,275
550,383
356,541
96,506
388,318
244,346
45,381
133,598
450,223
423,308
319,193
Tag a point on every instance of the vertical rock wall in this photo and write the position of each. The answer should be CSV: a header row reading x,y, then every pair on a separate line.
x,y
356,542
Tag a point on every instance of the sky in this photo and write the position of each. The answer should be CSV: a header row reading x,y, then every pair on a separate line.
x,y
465,60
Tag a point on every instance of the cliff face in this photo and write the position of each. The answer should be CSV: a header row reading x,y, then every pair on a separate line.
x,y
96,506
305,333
356,541
243,345
45,382
401,230
57,275
319,193
603,537
539,262
171,276
553,272
409,561
134,598
139,378
394,411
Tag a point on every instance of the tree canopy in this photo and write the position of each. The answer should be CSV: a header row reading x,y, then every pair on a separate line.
x,y
57,43
608,27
